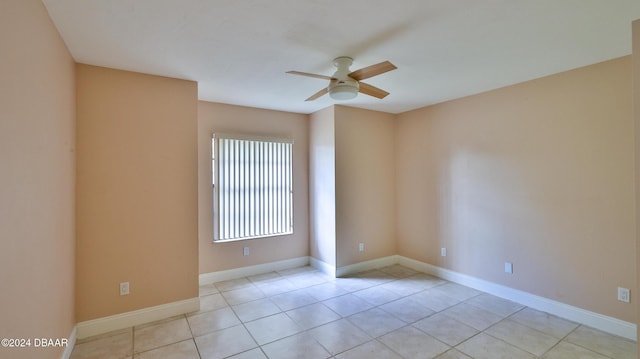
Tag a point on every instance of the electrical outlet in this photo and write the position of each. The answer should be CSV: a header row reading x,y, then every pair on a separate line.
x,y
624,295
245,251
124,288
443,252
361,247
508,267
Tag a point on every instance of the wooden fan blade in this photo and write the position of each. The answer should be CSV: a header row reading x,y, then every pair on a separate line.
x,y
372,91
310,75
320,93
373,70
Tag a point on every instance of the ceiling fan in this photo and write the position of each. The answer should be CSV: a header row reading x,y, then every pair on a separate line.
x,y
345,85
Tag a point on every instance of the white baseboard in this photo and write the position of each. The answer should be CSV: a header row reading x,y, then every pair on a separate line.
x,y
602,322
66,354
208,278
125,320
324,267
367,265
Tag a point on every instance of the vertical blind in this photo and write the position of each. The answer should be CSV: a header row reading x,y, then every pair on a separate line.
x,y
252,187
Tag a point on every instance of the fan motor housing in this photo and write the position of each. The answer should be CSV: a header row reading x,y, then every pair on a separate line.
x,y
343,89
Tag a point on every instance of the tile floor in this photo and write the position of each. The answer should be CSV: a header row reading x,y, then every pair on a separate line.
x,y
391,312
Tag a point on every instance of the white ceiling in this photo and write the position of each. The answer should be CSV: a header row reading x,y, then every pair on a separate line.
x,y
238,50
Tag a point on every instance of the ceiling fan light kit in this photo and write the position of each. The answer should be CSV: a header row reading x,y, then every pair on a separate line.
x,y
345,85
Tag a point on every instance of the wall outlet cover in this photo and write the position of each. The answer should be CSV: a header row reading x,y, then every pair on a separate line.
x,y
624,295
508,267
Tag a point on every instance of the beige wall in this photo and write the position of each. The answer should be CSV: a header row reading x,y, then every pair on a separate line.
x,y
636,117
214,117
540,174
365,184
136,191
37,124
322,186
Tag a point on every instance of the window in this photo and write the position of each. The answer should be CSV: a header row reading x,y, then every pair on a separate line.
x,y
252,187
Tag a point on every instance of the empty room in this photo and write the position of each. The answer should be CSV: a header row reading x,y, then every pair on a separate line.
x,y
319,179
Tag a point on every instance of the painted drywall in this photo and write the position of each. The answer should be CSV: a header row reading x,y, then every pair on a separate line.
x,y
136,191
365,184
636,117
540,174
37,144
214,117
322,186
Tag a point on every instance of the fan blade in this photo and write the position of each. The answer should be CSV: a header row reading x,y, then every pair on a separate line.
x,y
372,70
310,75
372,91
320,93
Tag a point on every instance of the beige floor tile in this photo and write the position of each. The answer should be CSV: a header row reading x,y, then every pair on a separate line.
x,y
565,350
308,279
523,337
297,346
446,329
163,333
453,354
115,345
211,302
496,305
243,295
225,343
325,291
211,321
352,284
128,330
312,315
276,287
255,310
291,300
377,295
264,277
410,342
425,281
544,322
296,270
456,291
369,350
408,310
375,277
376,322
603,343
347,304
250,354
398,271
472,316
483,346
272,328
339,336
208,289
181,350
403,287
232,284
435,300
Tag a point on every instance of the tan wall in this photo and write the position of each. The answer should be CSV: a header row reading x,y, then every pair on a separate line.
x,y
322,186
636,116
365,184
136,191
37,125
540,174
235,119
